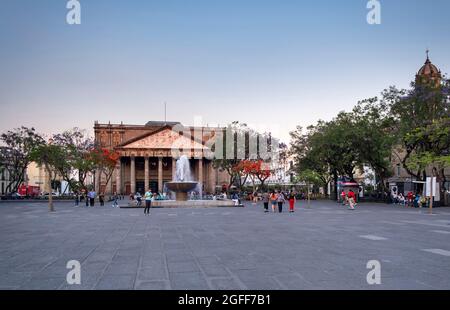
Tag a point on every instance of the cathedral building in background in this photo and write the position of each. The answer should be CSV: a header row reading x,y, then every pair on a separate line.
x,y
402,181
146,157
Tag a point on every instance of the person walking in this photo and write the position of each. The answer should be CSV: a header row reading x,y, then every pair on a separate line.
x,y
115,200
280,200
138,198
292,201
410,199
101,198
77,200
265,199
86,199
255,197
148,201
351,200
344,198
273,200
91,195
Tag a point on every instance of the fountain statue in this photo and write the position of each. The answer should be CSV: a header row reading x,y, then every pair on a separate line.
x,y
182,183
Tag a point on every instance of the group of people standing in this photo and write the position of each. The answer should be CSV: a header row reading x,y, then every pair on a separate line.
x,y
411,200
91,196
277,199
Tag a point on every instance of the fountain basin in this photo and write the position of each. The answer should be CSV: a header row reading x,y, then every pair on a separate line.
x,y
193,204
181,189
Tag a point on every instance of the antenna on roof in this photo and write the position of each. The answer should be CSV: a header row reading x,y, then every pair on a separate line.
x,y
165,113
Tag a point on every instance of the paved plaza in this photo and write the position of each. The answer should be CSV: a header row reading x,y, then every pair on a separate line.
x,y
323,247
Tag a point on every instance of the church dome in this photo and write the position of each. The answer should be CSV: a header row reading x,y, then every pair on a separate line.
x,y
429,73
428,69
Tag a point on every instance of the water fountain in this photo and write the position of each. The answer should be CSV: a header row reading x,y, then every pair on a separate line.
x,y
182,183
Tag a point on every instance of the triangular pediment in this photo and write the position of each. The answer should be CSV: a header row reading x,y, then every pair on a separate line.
x,y
164,139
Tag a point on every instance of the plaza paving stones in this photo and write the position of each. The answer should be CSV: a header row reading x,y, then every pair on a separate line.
x,y
374,238
438,251
441,232
324,246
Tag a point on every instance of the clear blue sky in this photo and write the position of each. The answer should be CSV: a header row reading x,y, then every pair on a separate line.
x,y
276,62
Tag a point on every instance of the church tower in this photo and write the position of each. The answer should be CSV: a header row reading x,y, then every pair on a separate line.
x,y
429,74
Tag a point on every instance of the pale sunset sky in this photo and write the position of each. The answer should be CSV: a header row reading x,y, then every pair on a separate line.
x,y
271,63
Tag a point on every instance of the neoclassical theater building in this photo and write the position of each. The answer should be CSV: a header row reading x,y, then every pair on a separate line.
x,y
147,159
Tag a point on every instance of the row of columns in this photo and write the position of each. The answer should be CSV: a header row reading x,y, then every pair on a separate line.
x,y
147,173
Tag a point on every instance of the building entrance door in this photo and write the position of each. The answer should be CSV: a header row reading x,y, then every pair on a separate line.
x,y
140,187
154,186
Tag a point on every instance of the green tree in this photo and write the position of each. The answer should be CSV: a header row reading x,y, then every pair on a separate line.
x,y
328,148
245,144
421,125
374,139
76,161
15,154
47,156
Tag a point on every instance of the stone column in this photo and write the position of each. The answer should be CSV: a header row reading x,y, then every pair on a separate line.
x,y
212,177
97,181
174,168
147,173
133,175
119,177
200,171
160,174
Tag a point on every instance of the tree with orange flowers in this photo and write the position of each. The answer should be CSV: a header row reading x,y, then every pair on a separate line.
x,y
105,162
256,170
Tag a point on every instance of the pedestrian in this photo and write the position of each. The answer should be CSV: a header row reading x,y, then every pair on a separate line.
x,y
273,200
86,199
410,199
265,199
77,200
344,198
138,198
235,198
280,200
401,199
115,199
255,197
292,200
101,198
92,194
351,200
148,201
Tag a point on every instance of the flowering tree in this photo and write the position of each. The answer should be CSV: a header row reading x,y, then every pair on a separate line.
x,y
105,161
257,170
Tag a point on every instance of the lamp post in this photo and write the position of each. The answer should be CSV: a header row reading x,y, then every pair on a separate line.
x,y
309,195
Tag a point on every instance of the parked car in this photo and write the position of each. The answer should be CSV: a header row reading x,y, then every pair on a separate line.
x,y
14,196
45,194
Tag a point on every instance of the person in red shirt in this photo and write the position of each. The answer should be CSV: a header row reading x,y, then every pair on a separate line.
x,y
351,200
410,199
